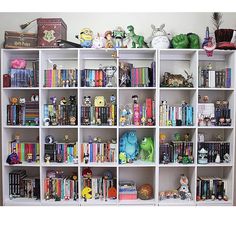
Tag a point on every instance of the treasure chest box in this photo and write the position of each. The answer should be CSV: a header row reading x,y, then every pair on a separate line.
x,y
50,30
20,40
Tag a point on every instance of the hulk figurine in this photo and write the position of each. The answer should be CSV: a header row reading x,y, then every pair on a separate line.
x,y
147,149
180,41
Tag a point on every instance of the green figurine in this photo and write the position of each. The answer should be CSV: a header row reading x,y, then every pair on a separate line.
x,y
194,41
137,40
147,149
180,41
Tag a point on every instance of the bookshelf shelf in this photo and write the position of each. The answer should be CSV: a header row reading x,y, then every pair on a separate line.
x,y
162,177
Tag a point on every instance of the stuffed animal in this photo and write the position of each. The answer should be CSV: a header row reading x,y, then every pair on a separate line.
x,y
147,149
98,41
18,64
129,145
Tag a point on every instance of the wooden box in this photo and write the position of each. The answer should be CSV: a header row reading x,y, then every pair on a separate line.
x,y
20,40
50,30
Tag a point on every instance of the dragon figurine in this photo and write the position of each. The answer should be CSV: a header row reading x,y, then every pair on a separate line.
x,y
129,145
137,40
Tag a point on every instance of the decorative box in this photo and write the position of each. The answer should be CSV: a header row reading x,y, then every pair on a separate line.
x,y
20,40
50,30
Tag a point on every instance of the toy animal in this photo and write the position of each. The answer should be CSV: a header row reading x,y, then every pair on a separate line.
x,y
85,37
18,64
129,145
122,158
98,41
137,40
147,149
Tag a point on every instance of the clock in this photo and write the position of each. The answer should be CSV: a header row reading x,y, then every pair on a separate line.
x,y
49,139
160,42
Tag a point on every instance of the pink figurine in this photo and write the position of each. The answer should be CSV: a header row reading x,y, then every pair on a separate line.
x,y
18,64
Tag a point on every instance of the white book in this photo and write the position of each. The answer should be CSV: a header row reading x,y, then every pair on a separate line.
x,y
212,79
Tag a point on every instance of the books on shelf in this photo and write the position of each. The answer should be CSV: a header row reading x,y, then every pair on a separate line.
x,y
130,76
211,188
93,78
23,114
175,151
24,148
176,115
215,79
60,187
98,152
214,148
61,152
22,186
60,78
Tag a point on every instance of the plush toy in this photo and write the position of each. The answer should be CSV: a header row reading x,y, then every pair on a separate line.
x,y
194,41
107,175
112,193
18,64
87,173
129,145
122,158
98,41
147,149
180,41
85,37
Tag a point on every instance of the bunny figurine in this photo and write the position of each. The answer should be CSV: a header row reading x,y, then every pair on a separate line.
x,y
98,41
159,38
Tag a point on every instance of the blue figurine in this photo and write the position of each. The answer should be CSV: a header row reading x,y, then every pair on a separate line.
x,y
129,145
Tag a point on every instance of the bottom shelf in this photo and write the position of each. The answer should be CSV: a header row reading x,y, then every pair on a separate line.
x,y
176,202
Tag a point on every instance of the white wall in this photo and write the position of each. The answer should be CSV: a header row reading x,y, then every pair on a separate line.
x,y
100,22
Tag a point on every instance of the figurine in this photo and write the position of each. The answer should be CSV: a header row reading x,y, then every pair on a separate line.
x,y
119,34
147,149
66,138
202,159
47,159
49,139
129,145
99,101
17,138
14,101
72,100
226,158
87,173
217,160
87,101
165,158
159,38
13,158
107,175
21,100
162,138
34,98
137,40
85,37
86,193
186,137
72,120
122,120
112,193
184,192
125,70
98,41
108,37
46,121
29,157
37,160
135,99
122,158
112,99
177,80
109,73
209,45
86,158
63,101
177,137
53,100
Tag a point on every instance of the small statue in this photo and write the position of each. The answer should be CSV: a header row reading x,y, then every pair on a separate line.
x,y
13,158
186,137
119,35
85,37
108,37
63,101
184,192
98,41
137,40
177,137
53,100
162,138
14,101
66,138
202,159
72,120
72,100
47,159
109,73
122,158
87,101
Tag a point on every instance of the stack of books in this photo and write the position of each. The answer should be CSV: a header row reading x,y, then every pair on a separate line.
x,y
127,190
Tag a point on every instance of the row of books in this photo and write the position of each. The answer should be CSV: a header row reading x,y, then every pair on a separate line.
x,y
61,152
22,186
25,114
60,78
64,188
60,114
93,78
174,149
100,187
215,148
176,115
209,187
130,76
23,148
98,152
91,115
215,79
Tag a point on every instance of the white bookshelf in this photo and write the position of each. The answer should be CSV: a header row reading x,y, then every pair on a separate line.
x,y
161,177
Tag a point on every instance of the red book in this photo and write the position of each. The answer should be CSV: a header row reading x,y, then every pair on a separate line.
x,y
97,78
149,108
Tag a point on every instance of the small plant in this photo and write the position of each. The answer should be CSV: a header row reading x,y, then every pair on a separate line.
x,y
217,19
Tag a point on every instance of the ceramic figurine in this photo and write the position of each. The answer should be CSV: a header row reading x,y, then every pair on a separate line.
x,y
147,149
109,73
202,158
85,37
184,192
129,145
98,41
119,34
109,41
137,40
159,38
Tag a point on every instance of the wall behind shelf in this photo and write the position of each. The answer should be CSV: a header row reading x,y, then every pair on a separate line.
x,y
175,22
